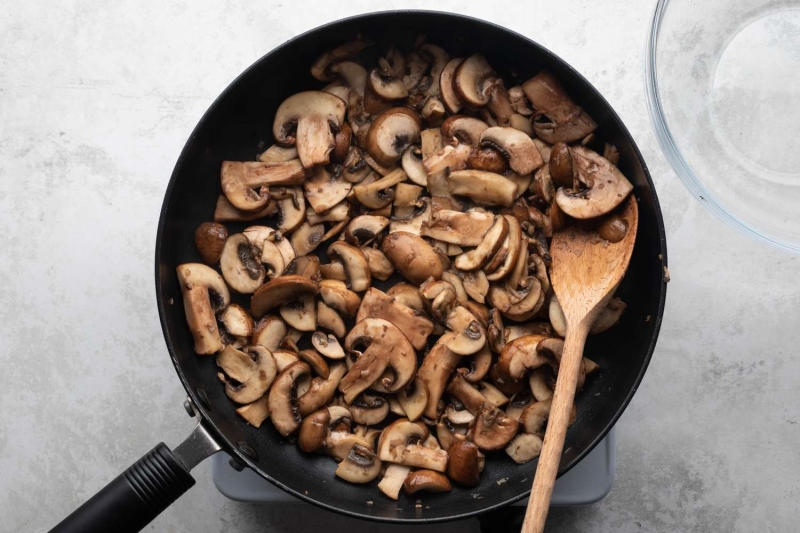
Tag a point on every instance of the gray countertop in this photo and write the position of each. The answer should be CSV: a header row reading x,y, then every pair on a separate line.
x,y
96,102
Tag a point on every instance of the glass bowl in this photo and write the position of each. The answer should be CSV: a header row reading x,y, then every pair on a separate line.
x,y
722,81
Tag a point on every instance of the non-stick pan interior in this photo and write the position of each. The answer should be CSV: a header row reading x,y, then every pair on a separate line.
x,y
238,127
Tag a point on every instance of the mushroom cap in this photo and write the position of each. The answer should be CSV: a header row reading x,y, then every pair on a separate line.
x,y
412,256
465,129
463,467
283,408
391,133
279,291
517,304
379,265
355,264
484,188
313,431
209,239
607,187
470,334
311,114
522,154
426,480
493,429
569,121
469,80
204,292
377,304
353,74
386,87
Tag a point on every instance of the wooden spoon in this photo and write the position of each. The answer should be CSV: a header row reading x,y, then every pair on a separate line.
x,y
586,271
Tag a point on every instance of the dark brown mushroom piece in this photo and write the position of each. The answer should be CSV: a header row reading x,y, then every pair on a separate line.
x,y
209,239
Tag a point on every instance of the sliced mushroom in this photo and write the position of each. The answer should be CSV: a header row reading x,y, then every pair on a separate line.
x,y
516,331
384,346
447,91
225,211
329,319
333,271
520,401
278,154
442,298
499,101
306,120
236,323
269,331
438,58
320,67
430,142
369,409
280,291
241,269
439,164
433,111
453,279
307,238
560,166
414,398
338,296
504,383
521,355
521,123
543,185
607,187
400,443
493,429
488,159
412,221
427,481
248,374
609,316
470,334
476,285
557,318
569,121
524,448
491,242
204,293
539,383
465,392
355,264
284,358
463,466
437,365
412,256
377,304
519,102
464,229
518,304
355,167
412,165
255,412
209,239
506,258
283,408
317,426
464,129
360,466
322,388
517,147
291,207
485,188
328,345
409,296
392,480
391,133
364,229
469,80
479,365
324,189
304,265
493,395
379,194
240,179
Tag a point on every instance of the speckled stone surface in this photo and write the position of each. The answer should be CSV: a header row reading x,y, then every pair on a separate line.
x,y
96,101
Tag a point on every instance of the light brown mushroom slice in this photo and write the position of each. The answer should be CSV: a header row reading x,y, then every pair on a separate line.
x,y
312,115
243,272
269,331
492,240
284,358
369,409
499,101
493,395
315,361
379,266
391,133
360,466
411,222
476,285
520,355
327,345
519,102
479,365
320,69
464,229
484,188
426,481
321,389
272,259
380,193
355,167
239,180
416,66
525,447
557,318
304,265
447,92
568,121
406,195
324,189
364,229
255,412
412,165
301,314
291,207
333,271
534,417
278,154
224,211
438,58
392,480
377,304
283,407
412,256
437,365
469,79
339,297
433,111
335,230
414,399
517,147
539,385
386,83
516,331
512,248
280,291
470,334
237,321
329,319
307,238
440,164
252,372
517,304
607,187
453,279
407,295
521,123
431,142
518,402
464,129
465,392
355,264
400,443
442,298
609,316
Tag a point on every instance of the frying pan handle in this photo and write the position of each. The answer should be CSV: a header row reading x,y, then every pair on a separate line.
x,y
144,490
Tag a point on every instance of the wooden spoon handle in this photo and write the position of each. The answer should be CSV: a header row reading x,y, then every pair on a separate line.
x,y
550,458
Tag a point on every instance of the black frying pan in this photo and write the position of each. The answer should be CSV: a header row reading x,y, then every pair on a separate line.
x,y
237,127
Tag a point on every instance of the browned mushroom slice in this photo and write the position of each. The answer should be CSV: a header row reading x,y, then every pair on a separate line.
x,y
369,409
333,271
317,426
518,304
435,371
284,358
360,466
278,154
364,229
557,318
524,448
488,159
329,319
324,189
412,165
521,355
248,374
491,242
540,384
400,443
463,467
379,194
521,400
283,407
236,325
426,481
452,277
315,361
383,346
412,256
304,265
239,179
606,186
328,345
307,238
484,188
320,69
469,80
242,271
447,90
516,331
493,429
464,129
339,297
519,102
337,213
430,142
322,388
209,239
518,148
377,304
269,331
438,58
470,334
305,120
204,293
609,316
391,133
412,222
569,121
439,164
227,212
442,298
414,399
355,264
255,412
355,167
499,102
433,110
280,291
464,229
291,207
408,295
506,258
560,166
534,417
519,270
